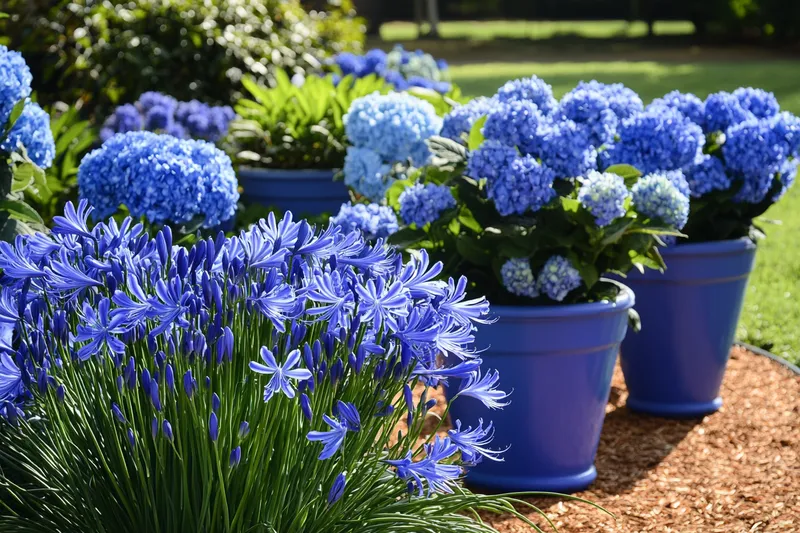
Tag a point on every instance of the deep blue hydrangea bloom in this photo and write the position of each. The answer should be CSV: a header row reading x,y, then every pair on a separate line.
x,y
349,63
564,146
32,130
623,101
401,68
150,99
786,127
515,124
518,277
755,152
660,138
458,122
161,178
373,220
525,185
591,110
126,118
532,89
604,196
15,81
760,103
678,179
423,204
491,159
557,278
787,177
690,105
655,196
707,175
723,110
366,173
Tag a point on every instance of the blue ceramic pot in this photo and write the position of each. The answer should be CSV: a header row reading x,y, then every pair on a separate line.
x,y
557,362
674,366
303,192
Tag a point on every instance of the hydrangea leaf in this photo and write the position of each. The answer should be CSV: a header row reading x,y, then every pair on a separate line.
x,y
476,138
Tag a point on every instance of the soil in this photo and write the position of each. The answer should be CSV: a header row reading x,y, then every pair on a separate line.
x,y
737,470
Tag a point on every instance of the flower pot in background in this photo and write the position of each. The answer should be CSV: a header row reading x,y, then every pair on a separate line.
x,y
557,363
674,366
303,192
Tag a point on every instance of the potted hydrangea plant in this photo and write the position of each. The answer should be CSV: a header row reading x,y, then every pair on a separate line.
x,y
251,383
514,201
675,366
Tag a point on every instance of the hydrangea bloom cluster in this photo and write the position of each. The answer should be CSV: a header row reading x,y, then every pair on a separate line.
x,y
15,81
401,68
161,113
458,122
604,196
592,111
161,178
384,130
656,196
422,204
373,220
518,277
622,100
282,338
524,185
533,89
558,278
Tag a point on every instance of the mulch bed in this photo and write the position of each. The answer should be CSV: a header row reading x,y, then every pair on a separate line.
x,y
736,470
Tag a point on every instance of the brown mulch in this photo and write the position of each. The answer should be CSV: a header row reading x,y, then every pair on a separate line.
x,y
737,470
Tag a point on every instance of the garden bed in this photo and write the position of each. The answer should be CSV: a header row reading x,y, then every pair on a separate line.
x,y
735,470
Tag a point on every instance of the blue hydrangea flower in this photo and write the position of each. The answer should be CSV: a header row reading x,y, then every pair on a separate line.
x,y
591,110
391,125
32,130
760,103
706,175
366,173
786,128
752,147
15,81
723,110
564,146
604,196
375,221
491,159
558,278
690,105
458,122
622,100
655,196
678,179
787,177
423,204
349,63
161,178
532,89
518,277
150,99
515,124
525,185
660,138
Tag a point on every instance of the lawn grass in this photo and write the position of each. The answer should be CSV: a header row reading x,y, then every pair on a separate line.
x,y
771,316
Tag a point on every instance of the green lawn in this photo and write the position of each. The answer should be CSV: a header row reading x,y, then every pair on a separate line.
x,y
771,317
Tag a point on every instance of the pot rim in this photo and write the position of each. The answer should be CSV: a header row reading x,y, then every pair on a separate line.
x,y
295,173
625,300
693,249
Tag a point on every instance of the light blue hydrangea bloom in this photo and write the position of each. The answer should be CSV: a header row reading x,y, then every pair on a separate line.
x,y
515,124
518,277
679,180
557,278
366,173
690,105
15,81
591,110
373,220
491,159
525,185
532,89
760,103
706,175
655,196
604,196
564,146
623,101
458,122
423,204
391,125
32,130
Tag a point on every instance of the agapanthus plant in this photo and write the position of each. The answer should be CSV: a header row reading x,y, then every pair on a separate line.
x,y
401,68
748,163
160,178
387,135
162,113
252,383
514,198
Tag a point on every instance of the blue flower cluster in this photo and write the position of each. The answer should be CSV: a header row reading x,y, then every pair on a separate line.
x,y
688,104
373,220
336,312
384,130
161,178
604,196
163,114
558,278
15,81
707,175
657,197
459,121
591,110
533,89
516,123
525,185
401,68
622,100
423,204
518,277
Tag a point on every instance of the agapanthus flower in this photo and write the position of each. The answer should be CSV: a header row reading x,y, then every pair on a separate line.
x,y
15,81
532,89
656,196
374,220
706,175
518,278
366,172
473,443
558,278
458,122
687,103
483,387
604,196
32,130
525,185
337,489
429,471
423,204
10,378
332,440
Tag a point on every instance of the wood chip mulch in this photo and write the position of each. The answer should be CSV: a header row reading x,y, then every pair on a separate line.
x,y
737,470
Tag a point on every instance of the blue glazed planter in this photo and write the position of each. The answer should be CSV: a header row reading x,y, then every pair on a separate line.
x,y
303,192
674,366
558,362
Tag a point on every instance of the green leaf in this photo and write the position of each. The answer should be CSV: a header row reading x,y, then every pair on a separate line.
x,y
616,230
23,176
588,271
467,219
10,228
447,149
571,205
21,211
470,249
407,237
628,172
476,138
70,135
16,111
394,192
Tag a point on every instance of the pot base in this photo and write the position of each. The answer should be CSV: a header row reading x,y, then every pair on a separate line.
x,y
675,410
562,484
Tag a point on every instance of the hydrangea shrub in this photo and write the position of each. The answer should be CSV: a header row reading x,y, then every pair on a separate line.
x,y
401,68
246,382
